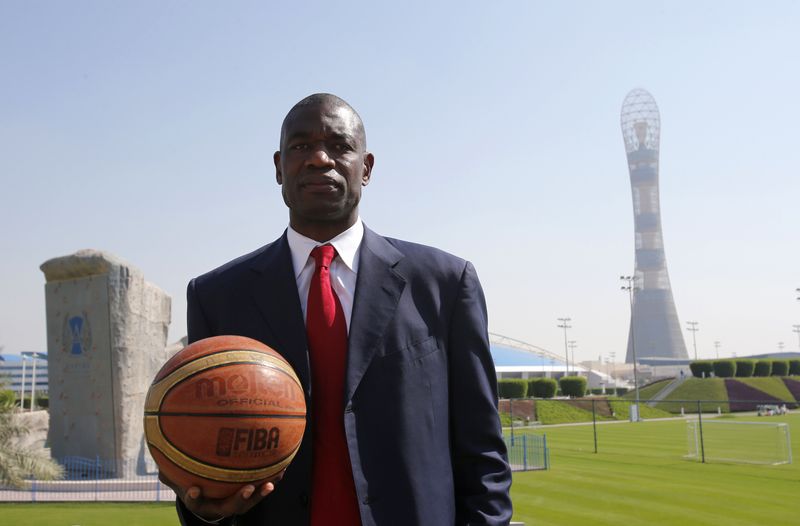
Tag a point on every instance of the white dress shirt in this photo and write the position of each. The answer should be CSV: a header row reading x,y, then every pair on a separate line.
x,y
343,269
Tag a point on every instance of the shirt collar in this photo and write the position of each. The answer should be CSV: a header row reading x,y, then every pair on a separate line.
x,y
346,245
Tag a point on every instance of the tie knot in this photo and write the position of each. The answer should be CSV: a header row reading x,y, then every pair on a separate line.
x,y
323,255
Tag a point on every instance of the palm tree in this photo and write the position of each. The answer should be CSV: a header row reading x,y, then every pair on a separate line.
x,y
16,462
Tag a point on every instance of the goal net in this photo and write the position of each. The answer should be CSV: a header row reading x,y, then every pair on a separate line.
x,y
739,442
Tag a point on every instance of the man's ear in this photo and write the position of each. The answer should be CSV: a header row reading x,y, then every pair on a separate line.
x,y
276,158
369,162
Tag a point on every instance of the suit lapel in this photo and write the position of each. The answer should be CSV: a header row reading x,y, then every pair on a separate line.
x,y
378,291
275,292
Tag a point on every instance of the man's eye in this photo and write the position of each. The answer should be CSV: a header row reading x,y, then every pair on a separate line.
x,y
300,146
343,147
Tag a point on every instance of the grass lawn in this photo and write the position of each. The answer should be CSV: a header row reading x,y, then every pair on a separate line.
x,y
639,477
89,514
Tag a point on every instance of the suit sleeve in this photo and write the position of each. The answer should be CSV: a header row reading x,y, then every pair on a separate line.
x,y
480,466
197,325
197,329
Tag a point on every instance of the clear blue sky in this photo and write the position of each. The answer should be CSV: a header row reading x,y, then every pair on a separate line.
x,y
147,129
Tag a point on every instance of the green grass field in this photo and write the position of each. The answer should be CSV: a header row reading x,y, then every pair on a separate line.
x,y
638,477
89,514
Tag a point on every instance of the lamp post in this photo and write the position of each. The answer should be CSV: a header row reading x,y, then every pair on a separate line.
x,y
613,355
565,325
572,344
630,286
716,348
34,356
780,346
796,329
692,326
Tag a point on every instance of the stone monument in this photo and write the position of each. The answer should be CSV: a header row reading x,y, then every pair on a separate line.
x,y
106,339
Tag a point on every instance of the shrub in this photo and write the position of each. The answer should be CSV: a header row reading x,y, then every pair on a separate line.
x,y
572,385
621,391
780,368
744,368
701,368
794,367
724,368
542,387
596,390
512,388
7,396
763,368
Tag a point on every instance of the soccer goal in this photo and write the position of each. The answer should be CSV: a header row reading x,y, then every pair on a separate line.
x,y
740,442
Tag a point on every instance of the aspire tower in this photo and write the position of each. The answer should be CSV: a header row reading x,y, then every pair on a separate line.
x,y
654,328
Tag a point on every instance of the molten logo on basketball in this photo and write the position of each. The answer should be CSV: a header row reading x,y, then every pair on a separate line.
x,y
239,384
246,441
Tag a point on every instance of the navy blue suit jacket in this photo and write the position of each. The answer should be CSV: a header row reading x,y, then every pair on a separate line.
x,y
419,406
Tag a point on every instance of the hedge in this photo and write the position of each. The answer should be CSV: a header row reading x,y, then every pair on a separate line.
x,y
542,387
724,368
794,367
763,368
621,391
512,388
745,368
780,368
701,366
572,385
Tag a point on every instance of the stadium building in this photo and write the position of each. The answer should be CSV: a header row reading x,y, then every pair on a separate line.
x,y
18,370
517,359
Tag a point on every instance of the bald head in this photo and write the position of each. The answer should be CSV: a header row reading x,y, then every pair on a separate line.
x,y
325,102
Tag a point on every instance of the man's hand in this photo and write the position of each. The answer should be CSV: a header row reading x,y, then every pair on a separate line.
x,y
212,510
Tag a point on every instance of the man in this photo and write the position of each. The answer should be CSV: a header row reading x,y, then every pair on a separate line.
x,y
389,339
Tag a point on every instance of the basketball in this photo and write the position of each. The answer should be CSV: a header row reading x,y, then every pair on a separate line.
x,y
224,412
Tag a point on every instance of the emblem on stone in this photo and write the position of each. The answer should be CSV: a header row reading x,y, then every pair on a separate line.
x,y
76,334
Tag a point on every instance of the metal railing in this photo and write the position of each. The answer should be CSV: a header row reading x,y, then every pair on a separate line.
x,y
91,480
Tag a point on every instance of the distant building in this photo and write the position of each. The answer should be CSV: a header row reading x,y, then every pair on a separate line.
x,y
517,359
13,368
654,329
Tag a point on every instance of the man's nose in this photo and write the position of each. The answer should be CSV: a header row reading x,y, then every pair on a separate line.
x,y
319,157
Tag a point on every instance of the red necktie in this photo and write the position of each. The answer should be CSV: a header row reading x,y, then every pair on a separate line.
x,y
333,495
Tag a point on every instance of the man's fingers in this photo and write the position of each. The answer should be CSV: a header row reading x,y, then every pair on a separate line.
x,y
267,488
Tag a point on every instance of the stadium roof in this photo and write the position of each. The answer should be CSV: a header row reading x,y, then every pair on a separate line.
x,y
510,352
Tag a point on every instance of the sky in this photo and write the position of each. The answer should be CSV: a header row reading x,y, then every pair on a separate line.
x,y
146,129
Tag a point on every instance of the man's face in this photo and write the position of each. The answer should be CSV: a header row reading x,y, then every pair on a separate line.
x,y
322,165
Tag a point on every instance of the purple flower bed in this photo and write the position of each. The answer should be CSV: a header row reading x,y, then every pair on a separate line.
x,y
738,391
793,386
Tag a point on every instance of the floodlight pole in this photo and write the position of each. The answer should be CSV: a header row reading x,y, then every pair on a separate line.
x,y
796,329
630,286
693,327
572,345
716,348
564,325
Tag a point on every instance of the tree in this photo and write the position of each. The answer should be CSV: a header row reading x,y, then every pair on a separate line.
x,y
16,462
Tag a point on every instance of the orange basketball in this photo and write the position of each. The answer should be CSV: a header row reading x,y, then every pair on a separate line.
x,y
224,412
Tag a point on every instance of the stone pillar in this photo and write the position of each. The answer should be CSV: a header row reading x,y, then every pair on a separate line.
x,y
106,339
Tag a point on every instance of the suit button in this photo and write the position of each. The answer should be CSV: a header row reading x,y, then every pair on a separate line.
x,y
370,499
303,500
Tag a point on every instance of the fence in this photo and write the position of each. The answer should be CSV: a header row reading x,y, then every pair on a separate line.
x,y
528,453
91,480
534,415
